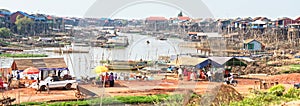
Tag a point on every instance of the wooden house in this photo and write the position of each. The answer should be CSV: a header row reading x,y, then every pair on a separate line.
x,y
253,45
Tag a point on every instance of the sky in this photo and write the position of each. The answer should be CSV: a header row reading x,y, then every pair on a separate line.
x,y
219,8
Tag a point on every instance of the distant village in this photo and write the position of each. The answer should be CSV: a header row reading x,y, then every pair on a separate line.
x,y
49,28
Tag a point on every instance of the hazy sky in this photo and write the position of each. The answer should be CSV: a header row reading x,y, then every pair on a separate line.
x,y
219,8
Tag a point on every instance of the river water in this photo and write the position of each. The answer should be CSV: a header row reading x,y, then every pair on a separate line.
x,y
83,64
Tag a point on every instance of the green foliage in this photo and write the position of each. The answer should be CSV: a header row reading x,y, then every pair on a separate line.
x,y
273,97
277,90
172,100
23,23
5,33
105,101
292,93
23,55
31,104
292,69
259,100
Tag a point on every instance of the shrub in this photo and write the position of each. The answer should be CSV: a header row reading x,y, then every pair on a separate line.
x,y
292,93
277,90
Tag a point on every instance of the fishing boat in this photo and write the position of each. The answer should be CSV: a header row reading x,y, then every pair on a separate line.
x,y
126,65
67,49
161,38
115,42
121,67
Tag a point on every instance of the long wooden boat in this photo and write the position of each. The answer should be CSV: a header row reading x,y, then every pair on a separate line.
x,y
67,51
121,67
126,65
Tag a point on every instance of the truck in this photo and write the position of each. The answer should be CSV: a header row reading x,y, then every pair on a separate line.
x,y
54,82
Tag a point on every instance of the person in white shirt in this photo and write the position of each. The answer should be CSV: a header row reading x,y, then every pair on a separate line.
x,y
230,78
209,75
192,76
180,74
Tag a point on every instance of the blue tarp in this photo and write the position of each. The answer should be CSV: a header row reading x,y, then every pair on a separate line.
x,y
203,64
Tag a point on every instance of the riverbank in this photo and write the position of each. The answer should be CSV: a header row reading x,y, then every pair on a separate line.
x,y
138,88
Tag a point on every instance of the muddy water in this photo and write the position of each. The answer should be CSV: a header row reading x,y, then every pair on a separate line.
x,y
82,64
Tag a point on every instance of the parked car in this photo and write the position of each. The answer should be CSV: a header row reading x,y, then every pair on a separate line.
x,y
54,82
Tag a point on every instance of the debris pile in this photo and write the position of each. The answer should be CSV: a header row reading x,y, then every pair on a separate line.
x,y
224,95
255,69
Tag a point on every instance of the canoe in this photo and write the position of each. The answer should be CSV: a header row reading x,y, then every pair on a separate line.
x,y
122,67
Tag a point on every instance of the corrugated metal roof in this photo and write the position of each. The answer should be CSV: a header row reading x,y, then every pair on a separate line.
x,y
220,60
248,40
23,63
6,62
189,61
247,59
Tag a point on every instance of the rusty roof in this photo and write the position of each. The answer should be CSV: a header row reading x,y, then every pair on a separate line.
x,y
23,63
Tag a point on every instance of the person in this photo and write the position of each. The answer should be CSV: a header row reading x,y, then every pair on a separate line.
x,y
180,74
188,75
145,76
192,76
230,78
59,73
102,78
38,84
111,80
185,72
9,79
209,75
18,79
116,77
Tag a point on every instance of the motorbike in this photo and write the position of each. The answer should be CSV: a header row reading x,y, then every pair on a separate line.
x,y
233,82
297,86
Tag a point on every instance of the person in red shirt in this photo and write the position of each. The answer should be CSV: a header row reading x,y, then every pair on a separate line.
x,y
1,83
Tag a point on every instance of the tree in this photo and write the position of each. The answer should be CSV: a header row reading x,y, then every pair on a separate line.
x,y
23,23
5,33
180,14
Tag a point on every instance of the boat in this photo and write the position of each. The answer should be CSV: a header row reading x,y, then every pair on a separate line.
x,y
161,38
115,42
67,51
196,36
126,65
122,67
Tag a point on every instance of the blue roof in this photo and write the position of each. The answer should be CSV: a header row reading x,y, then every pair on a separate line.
x,y
5,12
106,19
32,16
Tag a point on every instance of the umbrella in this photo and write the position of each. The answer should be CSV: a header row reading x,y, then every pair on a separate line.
x,y
101,69
31,70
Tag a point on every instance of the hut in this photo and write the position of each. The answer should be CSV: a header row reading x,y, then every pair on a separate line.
x,y
7,65
253,45
191,61
45,65
226,61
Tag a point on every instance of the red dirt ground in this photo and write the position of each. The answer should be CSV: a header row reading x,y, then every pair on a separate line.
x,y
144,88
